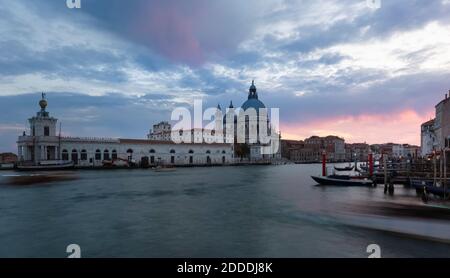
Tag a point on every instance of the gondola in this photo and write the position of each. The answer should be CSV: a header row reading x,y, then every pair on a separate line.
x,y
428,186
348,168
336,180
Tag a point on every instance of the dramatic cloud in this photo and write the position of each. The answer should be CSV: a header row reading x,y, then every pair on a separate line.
x,y
113,67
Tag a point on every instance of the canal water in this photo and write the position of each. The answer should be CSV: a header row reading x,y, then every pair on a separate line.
x,y
247,211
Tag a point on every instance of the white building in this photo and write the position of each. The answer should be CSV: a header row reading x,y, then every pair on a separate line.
x,y
161,131
263,142
198,146
427,138
44,145
405,151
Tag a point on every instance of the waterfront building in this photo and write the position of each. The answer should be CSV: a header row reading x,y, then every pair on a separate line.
x,y
198,146
334,146
442,124
43,144
258,148
427,138
242,117
291,149
357,151
384,149
311,149
8,158
405,151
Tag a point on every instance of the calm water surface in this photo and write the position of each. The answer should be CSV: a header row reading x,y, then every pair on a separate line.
x,y
254,211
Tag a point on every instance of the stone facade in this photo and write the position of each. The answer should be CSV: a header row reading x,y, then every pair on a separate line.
x,y
44,145
427,138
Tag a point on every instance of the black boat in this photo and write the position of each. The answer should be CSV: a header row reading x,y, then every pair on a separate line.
x,y
428,186
337,180
348,168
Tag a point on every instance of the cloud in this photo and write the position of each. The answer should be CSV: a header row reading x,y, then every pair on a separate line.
x,y
118,62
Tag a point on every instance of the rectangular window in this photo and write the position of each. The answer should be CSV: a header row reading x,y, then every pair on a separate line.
x,y
152,159
46,131
83,156
172,159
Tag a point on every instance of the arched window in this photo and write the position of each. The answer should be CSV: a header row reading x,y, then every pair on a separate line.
x,y
191,151
114,154
130,154
172,151
208,151
83,155
98,155
74,155
152,151
224,152
106,155
65,155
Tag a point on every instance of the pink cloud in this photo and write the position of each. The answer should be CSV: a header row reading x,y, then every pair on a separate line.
x,y
169,30
400,127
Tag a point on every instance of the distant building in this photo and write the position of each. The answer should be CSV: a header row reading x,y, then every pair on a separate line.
x,y
405,151
442,124
357,151
161,132
290,149
427,138
311,149
334,147
7,158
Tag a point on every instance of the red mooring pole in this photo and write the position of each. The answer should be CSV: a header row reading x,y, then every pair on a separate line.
x,y
370,164
324,163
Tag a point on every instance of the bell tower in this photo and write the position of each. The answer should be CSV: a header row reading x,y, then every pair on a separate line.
x,y
45,141
42,124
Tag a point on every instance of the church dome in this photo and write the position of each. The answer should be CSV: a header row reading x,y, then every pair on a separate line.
x,y
253,101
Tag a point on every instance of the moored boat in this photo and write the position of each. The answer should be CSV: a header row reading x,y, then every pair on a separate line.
x,y
348,168
47,166
164,168
342,181
7,166
428,186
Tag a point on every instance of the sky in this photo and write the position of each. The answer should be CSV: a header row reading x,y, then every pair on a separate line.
x,y
113,68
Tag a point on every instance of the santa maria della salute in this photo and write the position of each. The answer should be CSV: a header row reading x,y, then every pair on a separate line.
x,y
43,145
